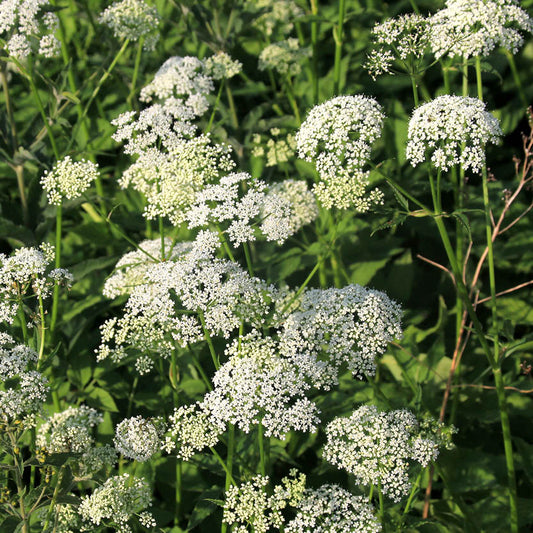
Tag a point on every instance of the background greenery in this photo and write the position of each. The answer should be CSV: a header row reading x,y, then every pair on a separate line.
x,y
383,249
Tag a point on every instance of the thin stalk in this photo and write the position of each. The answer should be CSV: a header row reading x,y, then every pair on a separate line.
x,y
248,259
20,489
465,76
338,34
40,106
43,329
55,297
162,237
415,89
314,47
212,351
262,456
222,463
22,320
232,108
412,493
516,77
138,56
229,466
217,101
292,101
54,499
381,504
500,390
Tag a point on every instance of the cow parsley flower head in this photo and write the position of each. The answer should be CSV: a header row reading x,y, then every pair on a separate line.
x,y
171,181
378,447
335,327
333,509
276,16
68,179
70,431
257,386
132,19
221,66
131,268
401,39
191,429
30,28
285,57
251,504
241,204
470,28
302,205
455,129
117,500
218,290
22,391
337,136
138,438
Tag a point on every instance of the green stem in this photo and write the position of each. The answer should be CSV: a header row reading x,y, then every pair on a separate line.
x,y
314,47
262,455
248,259
516,76
215,107
338,34
292,101
54,499
233,110
412,493
162,237
55,297
479,79
43,329
464,72
415,89
381,504
212,351
22,320
138,56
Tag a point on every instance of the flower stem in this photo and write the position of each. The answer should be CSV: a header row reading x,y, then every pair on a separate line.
x,y
516,76
338,35
55,297
138,56
314,47
217,101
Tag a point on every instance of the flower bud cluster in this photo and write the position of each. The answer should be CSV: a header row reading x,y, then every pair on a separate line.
x,y
277,150
378,447
337,136
455,129
68,179
133,19
284,57
276,17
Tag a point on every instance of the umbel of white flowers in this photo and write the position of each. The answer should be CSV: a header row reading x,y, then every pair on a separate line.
x,y
337,137
454,130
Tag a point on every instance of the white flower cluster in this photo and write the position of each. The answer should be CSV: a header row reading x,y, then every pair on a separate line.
x,y
257,386
138,438
333,509
377,447
337,137
249,504
132,19
285,57
117,500
163,311
68,179
333,327
172,167
70,431
30,26
22,399
404,39
223,203
24,269
303,204
191,429
182,80
221,66
276,16
455,129
470,28
277,150
132,267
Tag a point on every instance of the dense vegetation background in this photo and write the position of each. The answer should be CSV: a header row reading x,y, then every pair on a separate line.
x,y
394,248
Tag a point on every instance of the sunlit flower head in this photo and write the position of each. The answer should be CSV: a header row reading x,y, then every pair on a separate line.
x,y
454,130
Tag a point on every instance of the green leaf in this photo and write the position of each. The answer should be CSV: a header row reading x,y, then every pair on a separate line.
x,y
101,399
